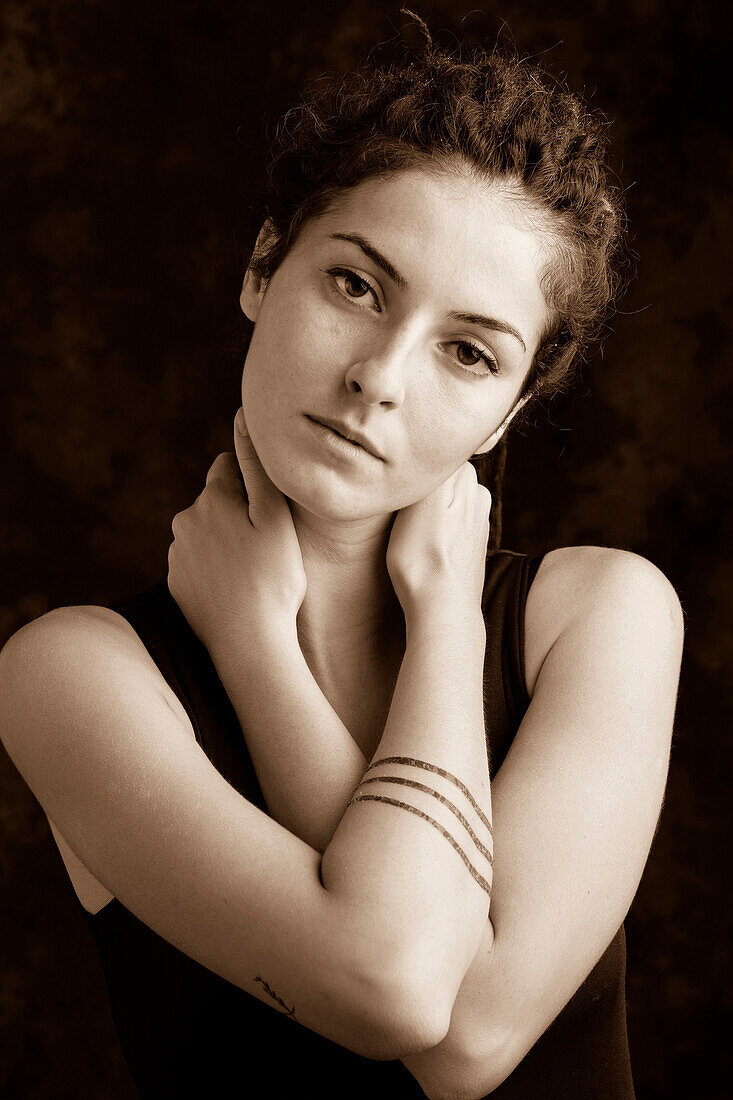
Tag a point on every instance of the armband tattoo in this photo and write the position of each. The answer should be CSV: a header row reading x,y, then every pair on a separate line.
x,y
412,784
436,824
441,798
437,771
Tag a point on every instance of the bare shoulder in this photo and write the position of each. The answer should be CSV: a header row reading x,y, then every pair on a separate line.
x,y
77,649
589,589
64,680
52,635
65,655
70,628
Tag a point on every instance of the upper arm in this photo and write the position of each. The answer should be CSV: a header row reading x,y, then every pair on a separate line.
x,y
577,800
85,717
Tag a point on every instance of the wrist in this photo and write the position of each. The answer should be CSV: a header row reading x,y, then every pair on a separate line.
x,y
456,623
448,610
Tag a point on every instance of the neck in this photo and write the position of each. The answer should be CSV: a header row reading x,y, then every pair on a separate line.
x,y
349,602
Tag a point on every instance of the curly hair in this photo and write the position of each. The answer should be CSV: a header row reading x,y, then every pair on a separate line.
x,y
495,114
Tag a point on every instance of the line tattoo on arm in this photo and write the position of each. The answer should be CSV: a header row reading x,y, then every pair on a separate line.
x,y
485,886
412,762
446,802
273,994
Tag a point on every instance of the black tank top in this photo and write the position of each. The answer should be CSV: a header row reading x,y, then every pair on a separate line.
x,y
187,1032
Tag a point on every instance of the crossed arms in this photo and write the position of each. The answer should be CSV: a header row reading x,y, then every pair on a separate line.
x,y
575,805
574,810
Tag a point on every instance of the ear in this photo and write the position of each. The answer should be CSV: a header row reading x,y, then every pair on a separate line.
x,y
253,287
498,433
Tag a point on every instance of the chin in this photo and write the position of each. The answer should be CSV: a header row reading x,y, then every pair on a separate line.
x,y
329,492
329,501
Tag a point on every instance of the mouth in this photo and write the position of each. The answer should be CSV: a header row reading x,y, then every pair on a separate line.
x,y
349,435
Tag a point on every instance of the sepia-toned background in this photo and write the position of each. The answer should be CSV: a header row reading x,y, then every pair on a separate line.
x,y
133,137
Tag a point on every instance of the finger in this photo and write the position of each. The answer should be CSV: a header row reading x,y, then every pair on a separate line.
x,y
176,524
262,495
456,482
225,468
487,497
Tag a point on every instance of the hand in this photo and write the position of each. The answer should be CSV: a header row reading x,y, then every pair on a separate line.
x,y
437,546
234,567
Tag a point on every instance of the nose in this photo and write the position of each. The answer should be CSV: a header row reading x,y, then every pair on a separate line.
x,y
380,377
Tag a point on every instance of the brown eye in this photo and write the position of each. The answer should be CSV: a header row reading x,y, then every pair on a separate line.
x,y
473,356
470,355
351,286
354,286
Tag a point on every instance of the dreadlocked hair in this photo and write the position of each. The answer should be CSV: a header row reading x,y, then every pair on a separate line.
x,y
494,114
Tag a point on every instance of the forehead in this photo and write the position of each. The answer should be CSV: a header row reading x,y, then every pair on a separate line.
x,y
460,243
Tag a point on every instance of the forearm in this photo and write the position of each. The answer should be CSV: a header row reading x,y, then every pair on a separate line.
x,y
306,761
382,857
436,717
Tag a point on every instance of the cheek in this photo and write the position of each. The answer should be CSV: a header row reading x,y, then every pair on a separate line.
x,y
296,347
440,433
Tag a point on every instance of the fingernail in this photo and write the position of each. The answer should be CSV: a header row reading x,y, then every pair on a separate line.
x,y
239,421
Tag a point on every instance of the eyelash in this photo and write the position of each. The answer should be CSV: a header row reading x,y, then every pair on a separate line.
x,y
334,272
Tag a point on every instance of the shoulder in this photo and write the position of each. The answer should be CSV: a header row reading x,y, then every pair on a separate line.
x,y
54,671
67,628
67,656
597,593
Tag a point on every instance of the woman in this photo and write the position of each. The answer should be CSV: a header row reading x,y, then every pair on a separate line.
x,y
269,776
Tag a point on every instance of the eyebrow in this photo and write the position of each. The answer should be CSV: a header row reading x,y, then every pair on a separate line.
x,y
493,323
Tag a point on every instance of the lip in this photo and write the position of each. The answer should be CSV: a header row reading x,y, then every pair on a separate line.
x,y
352,434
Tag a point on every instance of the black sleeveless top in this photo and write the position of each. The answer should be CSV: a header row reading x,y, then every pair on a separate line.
x,y
187,1032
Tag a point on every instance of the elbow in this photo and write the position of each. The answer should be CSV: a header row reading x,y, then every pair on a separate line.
x,y
407,1014
469,1067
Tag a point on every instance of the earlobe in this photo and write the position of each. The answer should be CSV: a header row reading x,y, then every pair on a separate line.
x,y
496,435
490,442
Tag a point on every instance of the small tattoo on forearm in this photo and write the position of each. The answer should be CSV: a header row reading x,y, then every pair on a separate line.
x,y
273,994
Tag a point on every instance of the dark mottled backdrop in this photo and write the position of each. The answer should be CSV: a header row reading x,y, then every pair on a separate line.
x,y
134,133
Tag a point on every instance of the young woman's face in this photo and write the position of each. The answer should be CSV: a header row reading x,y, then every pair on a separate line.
x,y
408,315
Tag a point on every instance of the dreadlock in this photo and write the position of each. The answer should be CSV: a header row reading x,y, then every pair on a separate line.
x,y
506,119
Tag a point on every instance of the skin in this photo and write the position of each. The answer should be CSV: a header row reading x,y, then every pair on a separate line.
x,y
380,370
330,558
389,363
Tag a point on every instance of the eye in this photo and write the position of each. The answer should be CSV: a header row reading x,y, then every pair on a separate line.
x,y
347,284
472,355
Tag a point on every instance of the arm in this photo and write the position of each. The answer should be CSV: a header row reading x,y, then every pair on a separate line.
x,y
85,720
575,806
580,793
370,942
306,761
